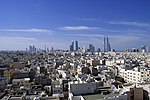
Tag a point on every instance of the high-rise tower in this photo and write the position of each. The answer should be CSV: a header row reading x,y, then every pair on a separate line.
x,y
72,46
76,45
91,48
107,46
104,44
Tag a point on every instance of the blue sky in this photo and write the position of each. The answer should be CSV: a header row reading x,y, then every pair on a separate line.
x,y
57,22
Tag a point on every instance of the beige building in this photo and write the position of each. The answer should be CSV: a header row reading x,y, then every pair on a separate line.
x,y
130,76
135,94
135,76
17,65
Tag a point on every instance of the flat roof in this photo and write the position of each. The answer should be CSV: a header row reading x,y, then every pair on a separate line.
x,y
98,96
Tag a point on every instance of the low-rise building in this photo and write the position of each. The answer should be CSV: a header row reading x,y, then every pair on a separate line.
x,y
3,83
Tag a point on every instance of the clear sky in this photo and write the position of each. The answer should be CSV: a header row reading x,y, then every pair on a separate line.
x,y
58,22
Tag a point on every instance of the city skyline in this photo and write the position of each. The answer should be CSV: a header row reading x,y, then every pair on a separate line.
x,y
56,24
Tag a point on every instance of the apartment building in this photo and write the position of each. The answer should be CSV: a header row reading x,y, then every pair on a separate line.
x,y
136,75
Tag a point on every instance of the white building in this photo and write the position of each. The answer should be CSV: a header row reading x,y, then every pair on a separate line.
x,y
135,75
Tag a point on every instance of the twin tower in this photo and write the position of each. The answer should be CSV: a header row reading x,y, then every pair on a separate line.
x,y
74,46
107,47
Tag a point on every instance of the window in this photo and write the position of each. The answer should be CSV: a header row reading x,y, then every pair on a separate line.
x,y
141,75
147,74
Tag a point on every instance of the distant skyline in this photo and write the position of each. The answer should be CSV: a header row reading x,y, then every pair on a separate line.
x,y
56,23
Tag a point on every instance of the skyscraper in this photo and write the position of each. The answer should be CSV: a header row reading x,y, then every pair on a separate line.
x,y
52,49
91,48
76,45
104,44
107,46
98,50
32,49
72,46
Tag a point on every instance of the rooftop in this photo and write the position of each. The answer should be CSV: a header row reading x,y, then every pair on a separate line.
x,y
99,96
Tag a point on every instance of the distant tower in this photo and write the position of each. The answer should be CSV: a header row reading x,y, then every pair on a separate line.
x,y
33,49
52,49
108,45
72,46
45,49
84,49
104,44
26,49
76,45
98,50
91,48
30,49
143,48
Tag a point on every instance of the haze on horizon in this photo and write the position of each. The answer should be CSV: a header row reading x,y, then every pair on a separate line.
x,y
56,23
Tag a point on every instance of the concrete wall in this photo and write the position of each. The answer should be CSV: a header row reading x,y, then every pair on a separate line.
x,y
82,88
138,93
